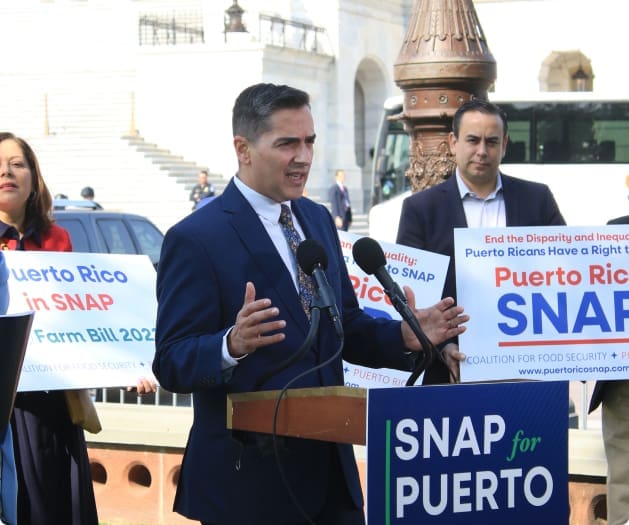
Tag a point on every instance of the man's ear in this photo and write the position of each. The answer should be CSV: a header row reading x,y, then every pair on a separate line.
x,y
241,145
505,141
452,140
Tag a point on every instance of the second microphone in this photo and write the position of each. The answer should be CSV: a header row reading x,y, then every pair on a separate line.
x,y
313,260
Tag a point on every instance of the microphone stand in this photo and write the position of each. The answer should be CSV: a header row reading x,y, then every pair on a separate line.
x,y
421,363
315,316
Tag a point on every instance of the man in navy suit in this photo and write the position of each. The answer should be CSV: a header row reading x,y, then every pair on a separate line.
x,y
229,311
614,395
339,202
476,195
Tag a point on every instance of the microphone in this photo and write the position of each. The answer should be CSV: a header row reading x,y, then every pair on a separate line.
x,y
313,260
369,256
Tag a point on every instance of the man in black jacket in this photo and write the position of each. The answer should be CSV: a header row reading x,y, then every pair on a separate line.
x,y
476,195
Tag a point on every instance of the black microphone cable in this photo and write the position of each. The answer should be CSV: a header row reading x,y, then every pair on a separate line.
x,y
276,451
312,259
315,315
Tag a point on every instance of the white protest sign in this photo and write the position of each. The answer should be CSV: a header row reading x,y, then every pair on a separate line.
x,y
547,303
94,322
423,271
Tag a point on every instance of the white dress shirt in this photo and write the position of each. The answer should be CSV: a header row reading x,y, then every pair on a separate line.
x,y
483,213
268,212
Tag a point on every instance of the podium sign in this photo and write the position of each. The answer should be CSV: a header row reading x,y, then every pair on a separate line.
x,y
458,454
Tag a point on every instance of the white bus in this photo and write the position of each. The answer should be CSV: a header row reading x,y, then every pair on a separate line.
x,y
576,144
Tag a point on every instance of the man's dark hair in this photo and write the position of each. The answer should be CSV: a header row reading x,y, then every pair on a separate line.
x,y
256,104
87,192
482,106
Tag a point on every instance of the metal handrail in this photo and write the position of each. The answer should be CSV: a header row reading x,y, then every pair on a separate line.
x,y
283,32
182,28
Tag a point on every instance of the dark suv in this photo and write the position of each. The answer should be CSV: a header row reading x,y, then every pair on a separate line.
x,y
99,231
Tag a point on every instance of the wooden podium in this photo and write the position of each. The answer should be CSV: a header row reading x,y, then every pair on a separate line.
x,y
332,413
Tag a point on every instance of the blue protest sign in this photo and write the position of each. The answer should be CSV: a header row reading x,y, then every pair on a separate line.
x,y
459,454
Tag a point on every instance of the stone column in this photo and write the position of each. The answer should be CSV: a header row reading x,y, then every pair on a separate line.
x,y
444,62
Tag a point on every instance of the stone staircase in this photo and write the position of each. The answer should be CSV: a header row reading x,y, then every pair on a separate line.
x,y
184,172
123,178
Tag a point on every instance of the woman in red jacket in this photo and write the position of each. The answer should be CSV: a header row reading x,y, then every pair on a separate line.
x,y
54,481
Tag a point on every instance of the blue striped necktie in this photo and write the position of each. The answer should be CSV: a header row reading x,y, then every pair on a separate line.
x,y
306,286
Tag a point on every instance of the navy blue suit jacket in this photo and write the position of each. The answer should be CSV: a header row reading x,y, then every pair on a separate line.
x,y
429,217
206,260
337,200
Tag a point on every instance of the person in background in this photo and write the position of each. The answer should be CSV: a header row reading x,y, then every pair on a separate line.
x,y
60,197
88,194
230,311
339,201
53,471
614,396
202,190
8,474
476,195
